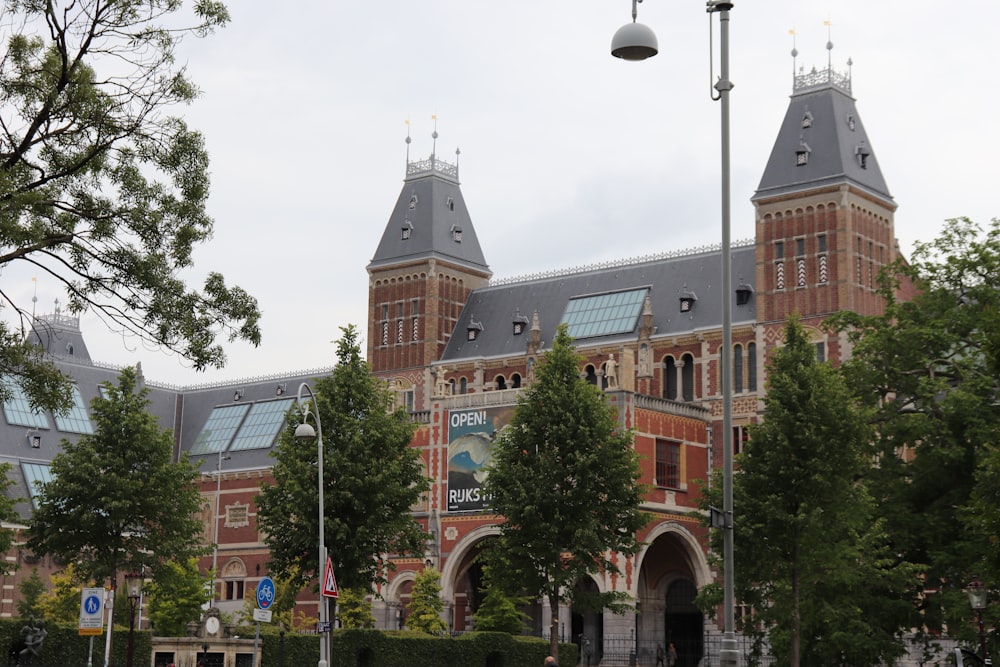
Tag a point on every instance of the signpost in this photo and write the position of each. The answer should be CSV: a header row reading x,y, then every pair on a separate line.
x,y
265,598
91,617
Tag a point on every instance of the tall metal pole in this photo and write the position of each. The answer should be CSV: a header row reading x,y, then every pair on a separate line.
x,y
215,551
301,432
729,654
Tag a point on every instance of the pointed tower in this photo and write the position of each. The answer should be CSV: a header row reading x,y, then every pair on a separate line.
x,y
427,262
823,211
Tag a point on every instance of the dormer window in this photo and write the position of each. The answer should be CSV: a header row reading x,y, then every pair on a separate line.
x,y
407,229
851,123
449,203
687,301
743,294
520,324
802,154
456,233
861,152
474,329
807,119
413,201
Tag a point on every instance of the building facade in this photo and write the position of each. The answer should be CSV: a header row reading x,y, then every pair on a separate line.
x,y
457,348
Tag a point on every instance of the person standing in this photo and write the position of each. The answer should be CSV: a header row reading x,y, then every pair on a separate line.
x,y
551,662
672,655
659,655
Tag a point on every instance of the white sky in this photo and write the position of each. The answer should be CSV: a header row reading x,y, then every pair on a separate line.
x,y
569,156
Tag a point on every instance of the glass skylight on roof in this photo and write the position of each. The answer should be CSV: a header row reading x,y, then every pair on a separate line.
x,y
35,474
262,425
604,314
18,411
220,429
76,420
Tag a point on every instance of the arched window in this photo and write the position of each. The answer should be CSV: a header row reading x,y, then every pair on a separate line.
x,y
751,366
670,379
737,368
500,381
515,381
463,386
452,383
591,374
687,377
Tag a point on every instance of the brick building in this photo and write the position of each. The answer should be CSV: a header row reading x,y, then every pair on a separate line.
x,y
457,348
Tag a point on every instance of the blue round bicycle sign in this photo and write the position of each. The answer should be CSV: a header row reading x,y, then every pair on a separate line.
x,y
265,593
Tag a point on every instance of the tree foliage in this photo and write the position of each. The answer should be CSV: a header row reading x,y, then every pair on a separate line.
x,y
117,501
8,517
426,604
500,612
565,479
31,589
372,478
176,597
102,184
62,603
354,609
815,564
930,368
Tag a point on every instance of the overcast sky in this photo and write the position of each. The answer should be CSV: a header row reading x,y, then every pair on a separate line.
x,y
568,156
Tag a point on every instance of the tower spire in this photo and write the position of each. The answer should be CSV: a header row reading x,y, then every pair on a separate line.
x,y
407,142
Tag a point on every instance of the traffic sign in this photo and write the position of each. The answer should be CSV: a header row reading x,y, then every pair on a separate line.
x,y
265,593
92,611
323,626
329,581
262,615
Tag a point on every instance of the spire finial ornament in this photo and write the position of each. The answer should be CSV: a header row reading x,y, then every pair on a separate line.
x,y
795,54
407,141
829,45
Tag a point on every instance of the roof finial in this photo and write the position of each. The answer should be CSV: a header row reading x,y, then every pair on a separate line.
x,y
434,136
829,46
407,141
458,153
795,54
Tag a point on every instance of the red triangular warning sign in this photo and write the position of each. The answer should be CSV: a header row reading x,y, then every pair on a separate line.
x,y
329,581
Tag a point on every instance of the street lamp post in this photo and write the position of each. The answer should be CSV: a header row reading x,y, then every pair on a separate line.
x,y
635,41
133,588
218,493
304,433
976,591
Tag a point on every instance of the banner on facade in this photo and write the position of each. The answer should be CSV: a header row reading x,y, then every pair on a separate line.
x,y
470,447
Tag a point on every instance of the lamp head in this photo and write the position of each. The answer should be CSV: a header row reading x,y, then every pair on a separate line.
x,y
976,591
133,585
304,432
634,41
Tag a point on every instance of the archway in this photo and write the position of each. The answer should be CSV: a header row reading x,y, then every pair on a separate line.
x,y
588,627
672,567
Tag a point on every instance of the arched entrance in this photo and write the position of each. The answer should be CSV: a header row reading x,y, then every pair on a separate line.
x,y
671,569
588,628
683,623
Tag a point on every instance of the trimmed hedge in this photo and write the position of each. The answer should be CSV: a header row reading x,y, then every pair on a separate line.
x,y
64,647
377,648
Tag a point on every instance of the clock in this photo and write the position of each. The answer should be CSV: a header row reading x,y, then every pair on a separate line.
x,y
211,625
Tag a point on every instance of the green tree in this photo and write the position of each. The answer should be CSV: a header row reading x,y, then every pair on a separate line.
x,y
565,479
426,605
62,603
176,597
117,501
102,184
928,368
814,561
8,517
32,589
372,478
355,609
500,612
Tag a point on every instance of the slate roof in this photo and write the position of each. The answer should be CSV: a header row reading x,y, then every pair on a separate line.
x,y
184,410
668,277
835,139
432,208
